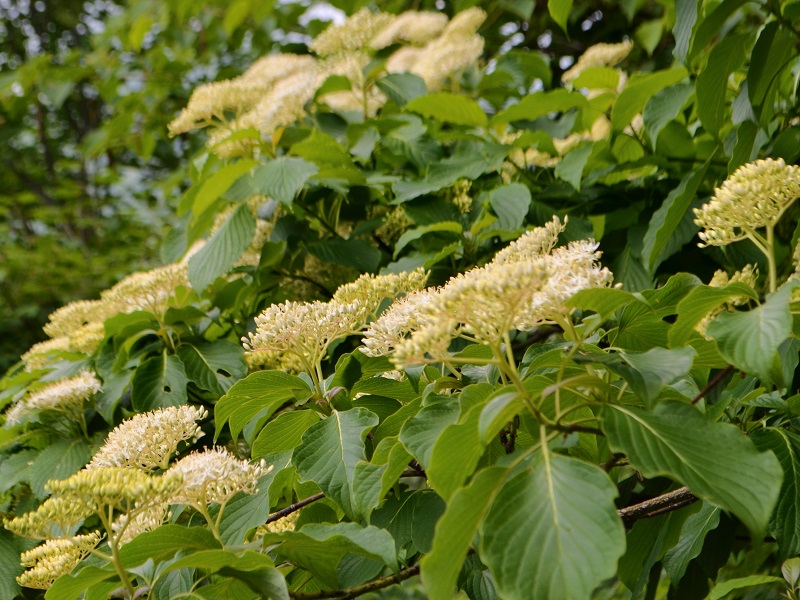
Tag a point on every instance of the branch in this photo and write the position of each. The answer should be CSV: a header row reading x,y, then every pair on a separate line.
x,y
293,507
712,384
358,590
657,506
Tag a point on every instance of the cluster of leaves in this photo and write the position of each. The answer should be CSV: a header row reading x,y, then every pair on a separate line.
x,y
621,448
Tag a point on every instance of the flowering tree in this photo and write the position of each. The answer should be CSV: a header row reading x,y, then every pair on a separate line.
x,y
433,323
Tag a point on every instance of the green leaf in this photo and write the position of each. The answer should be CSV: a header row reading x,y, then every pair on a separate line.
x,y
690,542
712,82
283,433
553,531
511,204
211,188
726,587
455,454
402,87
715,460
774,49
213,366
785,522
450,108
597,78
58,461
638,91
223,249
324,151
159,382
456,530
283,177
666,220
330,451
388,388
319,548
138,30
698,303
707,30
371,481
244,512
749,340
570,168
503,407
419,434
539,104
216,559
69,587
235,15
162,543
663,107
603,301
259,394
417,232
648,372
559,11
685,20
353,253
9,566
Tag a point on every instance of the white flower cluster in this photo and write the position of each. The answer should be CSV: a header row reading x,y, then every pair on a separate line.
x,y
53,559
148,290
65,395
148,440
526,285
599,55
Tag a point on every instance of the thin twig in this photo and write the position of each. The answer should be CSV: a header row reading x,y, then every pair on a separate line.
x,y
712,384
358,590
294,507
658,505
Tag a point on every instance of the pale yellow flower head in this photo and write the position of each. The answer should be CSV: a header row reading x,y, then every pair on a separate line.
x,y
65,395
532,244
52,518
129,525
354,34
53,559
118,488
149,290
41,353
599,55
370,291
148,440
282,525
411,27
748,275
755,196
86,339
404,316
214,477
75,315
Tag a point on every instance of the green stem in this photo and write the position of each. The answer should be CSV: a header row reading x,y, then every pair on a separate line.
x,y
773,271
115,559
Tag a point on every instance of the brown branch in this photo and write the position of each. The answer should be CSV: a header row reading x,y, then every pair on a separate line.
x,y
712,384
353,592
294,507
413,473
658,505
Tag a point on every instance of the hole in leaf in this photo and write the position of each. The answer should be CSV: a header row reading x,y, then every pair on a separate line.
x,y
223,372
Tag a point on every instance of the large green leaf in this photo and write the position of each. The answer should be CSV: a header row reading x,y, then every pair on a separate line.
x,y
455,531
58,461
455,454
159,381
648,372
715,460
726,587
510,203
774,49
639,90
319,548
402,87
9,566
538,104
559,11
419,434
259,394
660,236
70,587
282,178
712,82
283,433
353,253
690,541
553,531
162,543
785,522
698,303
330,451
223,249
749,340
685,21
213,366
663,107
450,108
216,184
372,480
